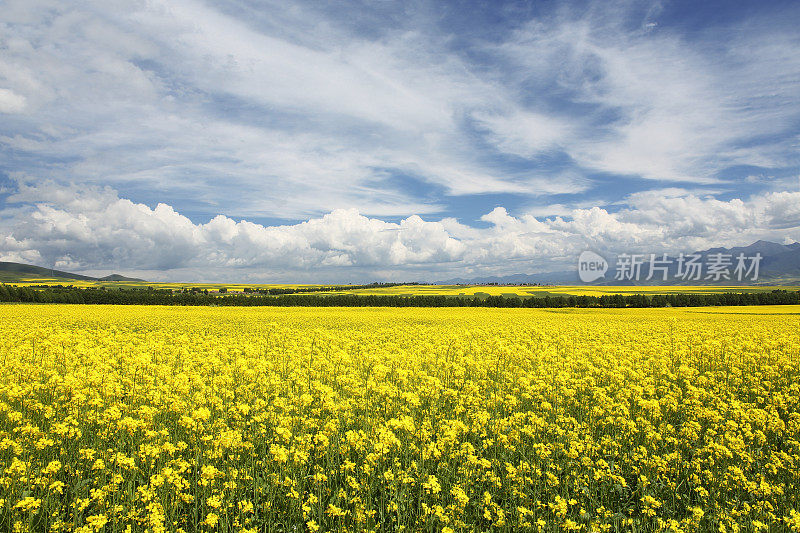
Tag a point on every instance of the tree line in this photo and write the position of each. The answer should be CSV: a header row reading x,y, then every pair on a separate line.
x,y
91,295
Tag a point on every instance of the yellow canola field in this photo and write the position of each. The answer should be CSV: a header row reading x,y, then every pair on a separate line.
x,y
559,290
296,419
429,290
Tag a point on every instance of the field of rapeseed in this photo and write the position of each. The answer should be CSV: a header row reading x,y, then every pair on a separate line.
x,y
286,419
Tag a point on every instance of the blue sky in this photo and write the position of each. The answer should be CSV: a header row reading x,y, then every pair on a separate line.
x,y
330,141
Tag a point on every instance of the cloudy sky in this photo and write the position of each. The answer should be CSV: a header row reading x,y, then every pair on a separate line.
x,y
354,141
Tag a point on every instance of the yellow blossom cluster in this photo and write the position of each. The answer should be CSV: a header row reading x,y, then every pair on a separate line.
x,y
175,419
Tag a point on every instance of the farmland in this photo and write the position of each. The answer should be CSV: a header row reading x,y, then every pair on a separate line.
x,y
519,291
302,419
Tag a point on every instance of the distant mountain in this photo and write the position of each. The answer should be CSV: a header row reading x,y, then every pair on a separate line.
x,y
780,263
119,277
11,272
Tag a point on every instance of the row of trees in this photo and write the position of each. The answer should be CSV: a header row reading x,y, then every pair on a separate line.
x,y
73,295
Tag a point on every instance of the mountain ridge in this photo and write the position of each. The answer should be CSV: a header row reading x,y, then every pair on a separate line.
x,y
11,271
779,263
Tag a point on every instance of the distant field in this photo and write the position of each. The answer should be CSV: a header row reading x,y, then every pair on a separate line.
x,y
526,291
231,287
14,278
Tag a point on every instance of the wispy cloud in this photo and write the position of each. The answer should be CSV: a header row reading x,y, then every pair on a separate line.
x,y
180,95
660,106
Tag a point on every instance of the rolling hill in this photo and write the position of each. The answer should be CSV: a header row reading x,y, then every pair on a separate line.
x,y
14,272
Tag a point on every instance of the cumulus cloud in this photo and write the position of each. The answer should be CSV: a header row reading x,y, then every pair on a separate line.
x,y
94,229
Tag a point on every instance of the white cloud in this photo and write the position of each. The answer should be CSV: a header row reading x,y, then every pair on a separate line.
x,y
11,102
781,209
96,230
524,134
659,106
281,110
186,99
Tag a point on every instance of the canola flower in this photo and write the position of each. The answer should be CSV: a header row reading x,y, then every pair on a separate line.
x,y
420,290
295,419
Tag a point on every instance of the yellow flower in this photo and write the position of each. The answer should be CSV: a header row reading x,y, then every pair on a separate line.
x,y
432,485
214,501
250,412
333,510
211,520
28,504
97,522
